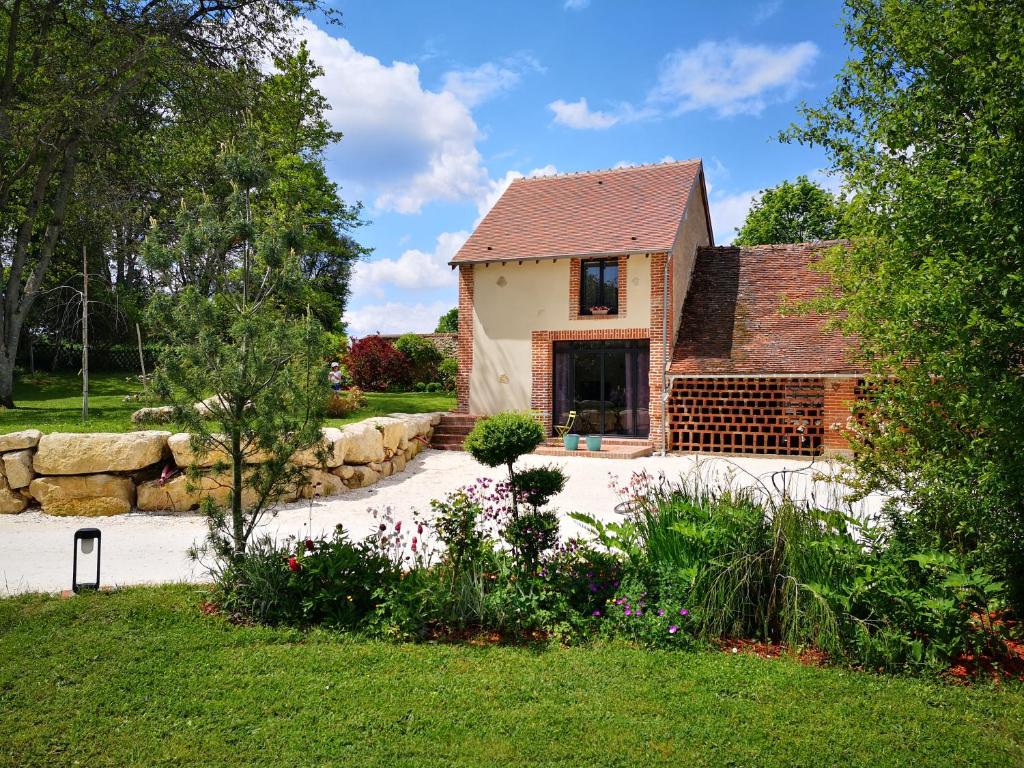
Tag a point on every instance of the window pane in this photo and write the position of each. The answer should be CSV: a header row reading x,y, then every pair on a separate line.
x,y
610,286
590,287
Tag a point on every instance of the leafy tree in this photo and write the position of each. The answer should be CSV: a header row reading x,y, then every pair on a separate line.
x,y
500,440
423,356
448,322
80,83
793,212
243,345
927,125
375,365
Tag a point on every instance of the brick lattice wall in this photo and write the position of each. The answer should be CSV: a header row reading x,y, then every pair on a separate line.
x,y
574,289
782,416
465,347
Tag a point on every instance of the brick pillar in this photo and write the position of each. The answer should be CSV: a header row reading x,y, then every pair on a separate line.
x,y
541,390
840,395
658,361
465,348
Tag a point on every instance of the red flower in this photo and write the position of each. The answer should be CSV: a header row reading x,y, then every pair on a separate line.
x,y
413,543
310,546
398,526
294,565
419,529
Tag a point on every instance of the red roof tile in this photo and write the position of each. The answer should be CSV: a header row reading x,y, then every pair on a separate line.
x,y
732,323
625,210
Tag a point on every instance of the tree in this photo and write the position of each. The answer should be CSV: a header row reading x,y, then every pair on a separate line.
x,y
375,365
79,81
448,322
793,212
422,355
261,362
926,123
499,441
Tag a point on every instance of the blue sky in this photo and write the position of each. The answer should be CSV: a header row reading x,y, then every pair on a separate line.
x,y
443,104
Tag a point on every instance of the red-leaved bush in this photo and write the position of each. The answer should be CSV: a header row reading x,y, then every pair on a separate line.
x,y
375,365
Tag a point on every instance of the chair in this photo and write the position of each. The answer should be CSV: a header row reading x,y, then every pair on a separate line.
x,y
563,429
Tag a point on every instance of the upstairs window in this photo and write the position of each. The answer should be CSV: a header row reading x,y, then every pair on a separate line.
x,y
599,287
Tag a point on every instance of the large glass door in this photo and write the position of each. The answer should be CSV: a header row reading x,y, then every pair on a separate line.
x,y
606,383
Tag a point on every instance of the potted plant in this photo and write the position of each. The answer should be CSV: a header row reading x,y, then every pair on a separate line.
x,y
599,310
571,442
593,442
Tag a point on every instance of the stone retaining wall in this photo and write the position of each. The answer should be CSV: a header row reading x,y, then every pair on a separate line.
x,y
103,473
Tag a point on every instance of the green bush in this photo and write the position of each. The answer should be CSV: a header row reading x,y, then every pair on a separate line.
x,y
447,371
501,439
423,356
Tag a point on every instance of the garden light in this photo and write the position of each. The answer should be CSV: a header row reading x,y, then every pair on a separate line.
x,y
86,539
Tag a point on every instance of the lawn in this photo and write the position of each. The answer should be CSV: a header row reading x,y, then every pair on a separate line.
x,y
142,677
53,403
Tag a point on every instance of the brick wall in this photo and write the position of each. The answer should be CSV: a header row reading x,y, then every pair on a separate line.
x,y
574,289
465,346
445,343
840,395
658,319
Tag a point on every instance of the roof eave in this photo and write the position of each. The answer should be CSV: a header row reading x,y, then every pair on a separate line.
x,y
554,257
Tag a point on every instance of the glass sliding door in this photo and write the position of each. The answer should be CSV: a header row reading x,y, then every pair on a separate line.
x,y
606,383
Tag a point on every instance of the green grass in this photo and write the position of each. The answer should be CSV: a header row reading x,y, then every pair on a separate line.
x,y
141,677
53,403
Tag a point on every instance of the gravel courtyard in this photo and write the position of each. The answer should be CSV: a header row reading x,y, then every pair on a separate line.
x,y
36,549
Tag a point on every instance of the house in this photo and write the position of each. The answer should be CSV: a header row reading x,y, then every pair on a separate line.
x,y
603,293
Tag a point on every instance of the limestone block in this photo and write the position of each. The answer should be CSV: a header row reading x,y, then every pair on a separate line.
x,y
398,462
435,418
182,494
10,501
17,467
392,431
181,448
362,476
18,441
84,495
322,484
332,447
387,468
344,471
65,453
363,443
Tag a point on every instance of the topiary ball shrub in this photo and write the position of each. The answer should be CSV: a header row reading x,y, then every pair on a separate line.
x,y
536,486
501,439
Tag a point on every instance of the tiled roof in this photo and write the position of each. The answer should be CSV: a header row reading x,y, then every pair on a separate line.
x,y
732,324
624,210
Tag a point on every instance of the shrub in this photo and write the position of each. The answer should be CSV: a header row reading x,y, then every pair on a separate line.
x,y
530,535
423,356
501,439
537,485
375,365
446,373
457,523
344,403
434,387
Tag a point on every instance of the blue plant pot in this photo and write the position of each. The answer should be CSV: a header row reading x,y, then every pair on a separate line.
x,y
571,442
593,442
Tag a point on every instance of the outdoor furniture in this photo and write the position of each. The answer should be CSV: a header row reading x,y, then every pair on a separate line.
x,y
563,429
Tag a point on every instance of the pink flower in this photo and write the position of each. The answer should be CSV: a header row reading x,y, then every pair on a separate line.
x,y
398,526
419,529
294,565
596,613
414,543
629,612
673,629
683,612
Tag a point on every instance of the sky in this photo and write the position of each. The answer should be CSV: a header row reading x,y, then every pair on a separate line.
x,y
443,104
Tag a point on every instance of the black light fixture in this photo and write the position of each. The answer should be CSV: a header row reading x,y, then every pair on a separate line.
x,y
86,539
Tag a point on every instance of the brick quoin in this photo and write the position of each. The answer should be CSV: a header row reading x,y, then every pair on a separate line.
x,y
465,343
840,397
656,373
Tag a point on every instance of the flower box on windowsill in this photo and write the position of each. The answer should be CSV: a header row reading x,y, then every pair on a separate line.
x,y
599,310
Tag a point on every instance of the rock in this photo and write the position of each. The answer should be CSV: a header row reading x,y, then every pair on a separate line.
x,y
17,467
322,484
157,415
181,448
85,496
416,423
11,502
363,443
435,418
344,471
387,469
17,441
398,461
332,447
65,453
362,477
182,494
392,431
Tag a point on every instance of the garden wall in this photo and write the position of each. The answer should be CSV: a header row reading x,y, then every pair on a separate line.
x,y
99,473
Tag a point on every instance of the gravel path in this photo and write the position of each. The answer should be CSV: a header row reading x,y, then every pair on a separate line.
x,y
36,549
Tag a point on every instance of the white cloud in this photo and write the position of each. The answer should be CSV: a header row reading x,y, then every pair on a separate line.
x,y
731,78
498,187
576,5
404,145
395,317
474,86
728,212
765,10
414,269
577,114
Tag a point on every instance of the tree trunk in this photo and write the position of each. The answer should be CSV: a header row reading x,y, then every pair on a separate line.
x,y
237,522
6,381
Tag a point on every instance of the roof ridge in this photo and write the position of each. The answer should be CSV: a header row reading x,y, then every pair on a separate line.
x,y
641,166
766,246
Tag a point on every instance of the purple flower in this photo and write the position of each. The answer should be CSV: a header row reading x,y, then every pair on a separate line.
x,y
629,612
683,612
661,611
596,613
638,612
673,629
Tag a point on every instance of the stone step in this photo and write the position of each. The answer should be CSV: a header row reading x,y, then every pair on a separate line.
x,y
451,429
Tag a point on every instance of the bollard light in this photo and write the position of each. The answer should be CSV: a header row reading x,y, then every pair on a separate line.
x,y
86,540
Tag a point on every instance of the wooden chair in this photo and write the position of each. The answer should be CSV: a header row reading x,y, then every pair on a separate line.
x,y
563,429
